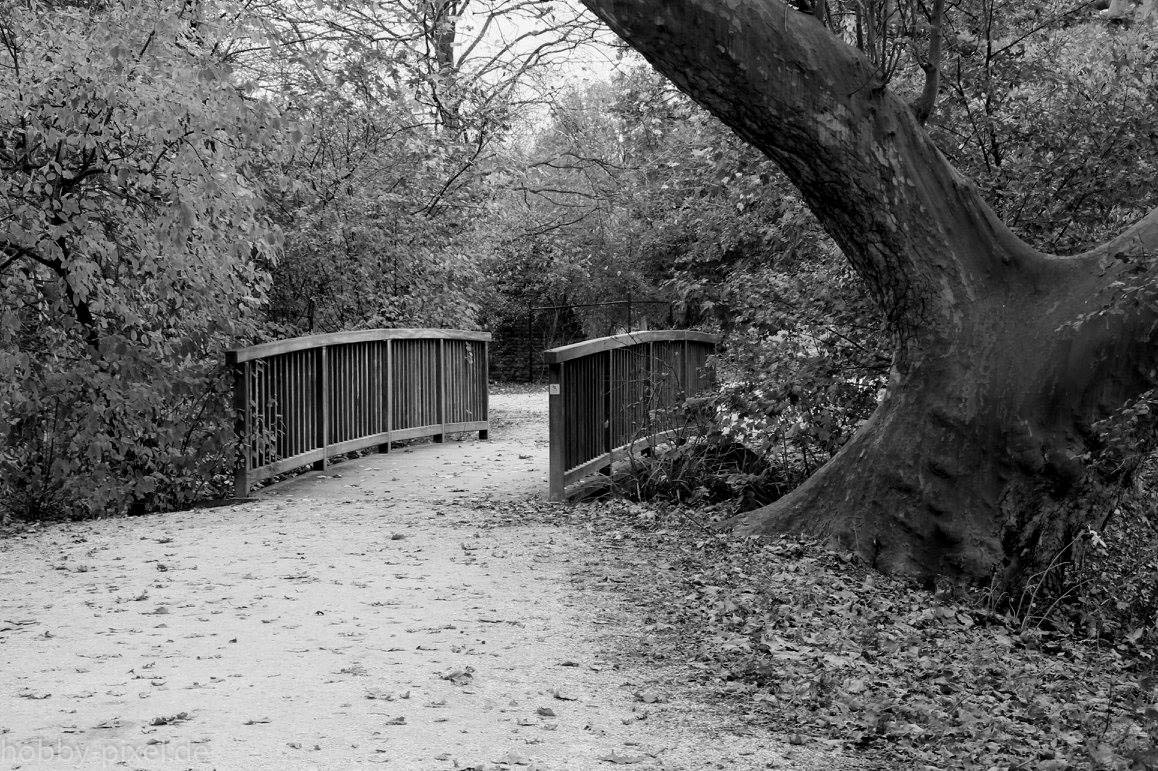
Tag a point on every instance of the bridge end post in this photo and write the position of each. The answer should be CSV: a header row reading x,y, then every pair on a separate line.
x,y
241,424
485,434
322,408
440,437
555,431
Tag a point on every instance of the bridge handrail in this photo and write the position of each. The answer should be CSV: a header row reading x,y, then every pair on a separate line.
x,y
290,344
304,400
598,344
606,393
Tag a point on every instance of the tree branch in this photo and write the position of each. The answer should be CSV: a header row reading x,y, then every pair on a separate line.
x,y
913,227
923,107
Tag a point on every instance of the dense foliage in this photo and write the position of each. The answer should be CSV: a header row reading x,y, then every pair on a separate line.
x,y
131,226
181,178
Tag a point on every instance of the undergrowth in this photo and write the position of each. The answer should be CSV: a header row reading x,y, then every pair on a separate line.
x,y
1103,585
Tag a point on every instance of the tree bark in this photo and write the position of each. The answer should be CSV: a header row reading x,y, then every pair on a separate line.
x,y
441,28
1004,358
931,65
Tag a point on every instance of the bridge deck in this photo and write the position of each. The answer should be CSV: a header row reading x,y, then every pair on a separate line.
x,y
511,464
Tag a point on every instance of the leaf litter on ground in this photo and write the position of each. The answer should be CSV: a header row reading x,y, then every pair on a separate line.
x,y
814,647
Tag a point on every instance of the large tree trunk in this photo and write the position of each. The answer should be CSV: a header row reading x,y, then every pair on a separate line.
x,y
975,462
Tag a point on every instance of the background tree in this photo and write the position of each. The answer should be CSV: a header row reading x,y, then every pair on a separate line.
x,y
410,103
130,232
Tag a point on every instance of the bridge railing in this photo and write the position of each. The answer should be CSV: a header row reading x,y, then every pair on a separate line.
x,y
302,401
607,394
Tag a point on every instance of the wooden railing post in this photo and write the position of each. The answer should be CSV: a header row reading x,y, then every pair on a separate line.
x,y
609,433
555,431
650,401
388,384
486,390
440,437
322,407
242,427
689,372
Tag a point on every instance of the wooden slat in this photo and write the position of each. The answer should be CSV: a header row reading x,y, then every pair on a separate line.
x,y
305,413
286,464
262,393
440,385
323,406
570,476
386,386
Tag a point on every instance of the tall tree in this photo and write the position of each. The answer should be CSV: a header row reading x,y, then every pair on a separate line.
x,y
1007,360
407,104
131,236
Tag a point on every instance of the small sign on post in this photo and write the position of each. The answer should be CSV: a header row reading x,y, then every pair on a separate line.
x,y
554,389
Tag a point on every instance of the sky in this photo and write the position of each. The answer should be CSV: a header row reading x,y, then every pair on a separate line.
x,y
596,61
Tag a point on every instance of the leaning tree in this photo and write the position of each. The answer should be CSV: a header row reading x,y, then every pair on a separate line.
x,y
1008,362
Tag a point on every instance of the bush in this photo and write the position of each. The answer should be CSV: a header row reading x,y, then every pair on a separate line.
x,y
700,465
133,241
85,437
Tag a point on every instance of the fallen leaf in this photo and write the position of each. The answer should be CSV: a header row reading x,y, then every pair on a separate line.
x,y
459,676
650,696
621,759
515,758
380,694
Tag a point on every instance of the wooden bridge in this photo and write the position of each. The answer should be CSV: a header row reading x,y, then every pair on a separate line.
x,y
301,401
613,396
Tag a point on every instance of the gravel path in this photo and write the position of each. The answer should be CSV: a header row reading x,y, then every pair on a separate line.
x,y
370,615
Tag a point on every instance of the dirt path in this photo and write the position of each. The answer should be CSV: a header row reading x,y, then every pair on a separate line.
x,y
366,616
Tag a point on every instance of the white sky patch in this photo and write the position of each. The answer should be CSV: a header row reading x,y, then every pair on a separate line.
x,y
515,29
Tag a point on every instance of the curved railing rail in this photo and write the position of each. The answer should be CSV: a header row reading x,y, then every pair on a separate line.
x,y
605,395
301,401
